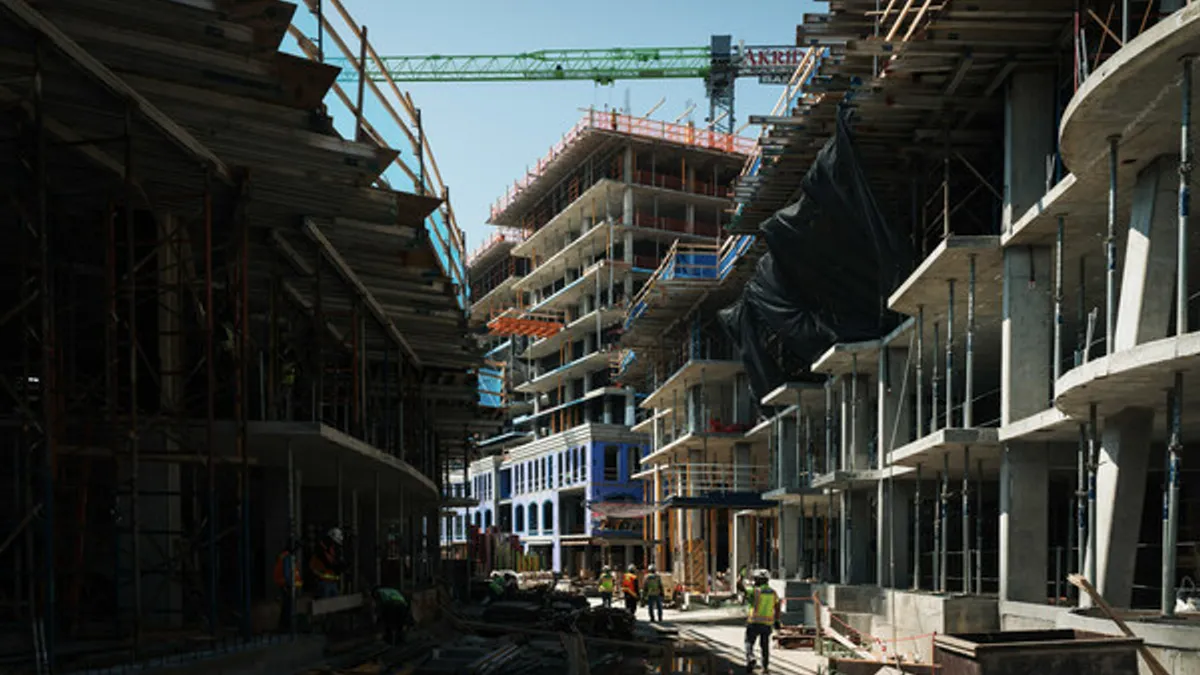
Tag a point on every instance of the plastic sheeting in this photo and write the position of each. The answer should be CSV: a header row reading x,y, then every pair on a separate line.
x,y
832,261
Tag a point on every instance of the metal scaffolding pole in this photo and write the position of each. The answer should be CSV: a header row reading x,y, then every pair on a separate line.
x,y
966,520
968,414
950,354
211,390
979,530
933,423
829,425
1185,180
1110,252
917,533
292,537
1171,497
1093,529
854,439
1056,358
920,402
944,551
135,534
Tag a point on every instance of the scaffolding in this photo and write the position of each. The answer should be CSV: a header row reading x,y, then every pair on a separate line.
x,y
186,329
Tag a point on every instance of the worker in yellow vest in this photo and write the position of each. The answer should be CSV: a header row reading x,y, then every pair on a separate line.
x,y
762,616
606,586
652,591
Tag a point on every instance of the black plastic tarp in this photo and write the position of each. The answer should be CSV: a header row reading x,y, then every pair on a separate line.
x,y
832,260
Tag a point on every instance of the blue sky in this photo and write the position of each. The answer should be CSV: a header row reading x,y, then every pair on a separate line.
x,y
484,135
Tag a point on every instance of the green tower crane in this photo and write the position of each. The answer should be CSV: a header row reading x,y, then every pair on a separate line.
x,y
718,65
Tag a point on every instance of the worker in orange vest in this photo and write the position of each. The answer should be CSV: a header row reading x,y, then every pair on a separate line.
x,y
629,588
326,563
289,581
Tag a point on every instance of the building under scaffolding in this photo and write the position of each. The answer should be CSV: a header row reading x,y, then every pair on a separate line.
x,y
222,328
1020,412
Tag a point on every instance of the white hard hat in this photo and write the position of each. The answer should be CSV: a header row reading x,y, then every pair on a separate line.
x,y
335,534
651,568
607,568
632,568
762,574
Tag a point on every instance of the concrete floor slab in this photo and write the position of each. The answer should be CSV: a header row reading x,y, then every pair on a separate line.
x,y
1138,376
983,442
927,286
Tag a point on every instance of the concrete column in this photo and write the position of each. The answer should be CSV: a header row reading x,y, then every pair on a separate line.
x,y
1148,278
785,451
856,428
893,509
1029,129
1027,333
1120,490
856,536
627,194
1024,503
895,418
789,540
630,407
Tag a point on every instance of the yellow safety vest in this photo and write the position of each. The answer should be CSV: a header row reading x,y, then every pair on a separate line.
x,y
762,606
606,583
654,586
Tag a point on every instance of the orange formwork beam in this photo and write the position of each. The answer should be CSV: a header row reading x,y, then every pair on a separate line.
x,y
527,326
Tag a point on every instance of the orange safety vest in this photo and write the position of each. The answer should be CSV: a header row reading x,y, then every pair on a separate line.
x,y
321,569
629,584
297,578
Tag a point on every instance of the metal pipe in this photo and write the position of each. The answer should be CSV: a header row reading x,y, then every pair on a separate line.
x,y
979,529
211,405
917,533
969,380
920,372
1171,512
937,536
1082,346
950,355
1056,363
1093,528
135,534
1185,181
943,579
1081,502
1124,22
340,515
854,439
933,423
966,519
1110,249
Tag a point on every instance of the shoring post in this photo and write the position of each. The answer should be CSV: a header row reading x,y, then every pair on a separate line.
x,y
379,536
318,411
320,31
1185,186
341,515
420,152
968,414
1056,363
48,361
944,552
1110,252
829,540
1124,22
950,354
945,182
917,532
1093,528
240,414
135,523
354,563
854,439
1171,498
937,533
1081,504
211,391
933,421
1081,336
979,529
920,403
355,375
966,520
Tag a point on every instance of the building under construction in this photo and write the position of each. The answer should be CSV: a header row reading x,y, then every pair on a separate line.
x,y
225,325
970,325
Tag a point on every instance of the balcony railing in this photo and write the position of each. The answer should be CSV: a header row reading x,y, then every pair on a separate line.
x,y
696,480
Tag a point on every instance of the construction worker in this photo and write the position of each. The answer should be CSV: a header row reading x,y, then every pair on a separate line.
x,y
496,588
289,581
653,593
326,563
606,585
629,588
762,616
392,613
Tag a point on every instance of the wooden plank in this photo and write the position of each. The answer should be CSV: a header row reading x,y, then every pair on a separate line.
x,y
1080,582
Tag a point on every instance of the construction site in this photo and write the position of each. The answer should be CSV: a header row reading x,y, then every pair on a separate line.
x,y
892,374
